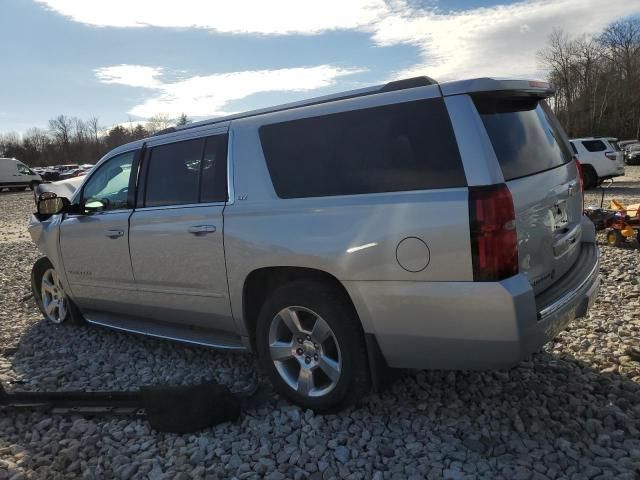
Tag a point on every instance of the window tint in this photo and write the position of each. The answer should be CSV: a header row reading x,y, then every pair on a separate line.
x,y
214,170
594,145
108,187
525,134
173,173
408,146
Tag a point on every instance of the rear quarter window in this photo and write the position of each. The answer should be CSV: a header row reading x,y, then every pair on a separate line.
x,y
594,145
525,134
399,147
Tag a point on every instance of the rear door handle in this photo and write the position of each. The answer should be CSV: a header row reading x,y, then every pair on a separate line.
x,y
202,229
114,233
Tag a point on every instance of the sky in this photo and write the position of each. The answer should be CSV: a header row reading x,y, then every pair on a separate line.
x,y
130,59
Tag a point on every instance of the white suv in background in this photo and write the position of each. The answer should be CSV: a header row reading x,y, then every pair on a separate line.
x,y
600,158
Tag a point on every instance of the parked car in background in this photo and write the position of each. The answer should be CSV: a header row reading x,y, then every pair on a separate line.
x,y
600,158
416,224
15,175
76,172
632,154
57,171
624,143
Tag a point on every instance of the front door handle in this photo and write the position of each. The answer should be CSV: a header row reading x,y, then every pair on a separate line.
x,y
114,233
202,229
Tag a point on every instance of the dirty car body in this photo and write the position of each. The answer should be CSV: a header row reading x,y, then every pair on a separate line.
x,y
446,242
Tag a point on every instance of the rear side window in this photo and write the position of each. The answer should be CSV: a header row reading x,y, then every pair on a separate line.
x,y
173,174
214,170
407,146
525,134
594,145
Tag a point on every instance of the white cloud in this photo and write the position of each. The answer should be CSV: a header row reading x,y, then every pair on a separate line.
x,y
132,75
494,41
500,40
236,16
208,95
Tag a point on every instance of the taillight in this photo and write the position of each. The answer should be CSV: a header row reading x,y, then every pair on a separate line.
x,y
494,241
611,156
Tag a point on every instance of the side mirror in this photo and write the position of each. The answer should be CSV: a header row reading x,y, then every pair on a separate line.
x,y
48,205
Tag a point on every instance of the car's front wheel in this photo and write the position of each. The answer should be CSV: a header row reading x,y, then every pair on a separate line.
x,y
50,296
310,342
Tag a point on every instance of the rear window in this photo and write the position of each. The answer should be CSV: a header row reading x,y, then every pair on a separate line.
x,y
407,146
615,145
594,145
525,134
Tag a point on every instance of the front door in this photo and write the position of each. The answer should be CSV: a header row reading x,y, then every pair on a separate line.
x,y
95,243
176,232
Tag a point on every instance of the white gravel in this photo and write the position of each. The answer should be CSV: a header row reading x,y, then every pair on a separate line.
x,y
571,412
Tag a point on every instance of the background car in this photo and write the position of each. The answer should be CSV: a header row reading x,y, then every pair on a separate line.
x,y
15,175
632,154
76,172
600,158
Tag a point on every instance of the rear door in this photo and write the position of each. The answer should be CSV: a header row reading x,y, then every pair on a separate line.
x,y
176,240
536,162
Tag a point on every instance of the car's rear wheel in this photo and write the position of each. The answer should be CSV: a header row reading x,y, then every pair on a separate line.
x,y
311,345
50,296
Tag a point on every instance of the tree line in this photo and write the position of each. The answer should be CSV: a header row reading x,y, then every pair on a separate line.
x,y
597,80
74,140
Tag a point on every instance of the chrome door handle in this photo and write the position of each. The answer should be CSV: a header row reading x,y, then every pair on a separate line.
x,y
114,233
202,229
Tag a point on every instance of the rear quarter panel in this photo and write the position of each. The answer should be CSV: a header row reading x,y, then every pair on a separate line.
x,y
354,237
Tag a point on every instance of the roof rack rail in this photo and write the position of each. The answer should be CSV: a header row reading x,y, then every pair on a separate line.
x,y
405,83
395,85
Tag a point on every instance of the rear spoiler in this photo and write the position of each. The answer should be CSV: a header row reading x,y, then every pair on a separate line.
x,y
536,88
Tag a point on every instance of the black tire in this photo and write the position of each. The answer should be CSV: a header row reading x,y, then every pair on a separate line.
x,y
16,189
590,177
73,315
33,185
338,312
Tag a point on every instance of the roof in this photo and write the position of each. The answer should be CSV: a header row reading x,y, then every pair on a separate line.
x,y
475,85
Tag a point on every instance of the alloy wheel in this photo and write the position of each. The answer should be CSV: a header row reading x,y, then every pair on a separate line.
x,y
305,351
53,297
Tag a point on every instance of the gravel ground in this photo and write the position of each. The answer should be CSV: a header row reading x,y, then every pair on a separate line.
x,y
572,411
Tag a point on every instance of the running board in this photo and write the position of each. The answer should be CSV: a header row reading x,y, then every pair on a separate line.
x,y
167,331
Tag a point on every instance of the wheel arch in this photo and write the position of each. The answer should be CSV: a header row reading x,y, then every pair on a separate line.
x,y
259,284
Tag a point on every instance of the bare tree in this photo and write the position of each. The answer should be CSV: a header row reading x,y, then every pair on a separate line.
x,y
597,80
60,128
93,126
158,122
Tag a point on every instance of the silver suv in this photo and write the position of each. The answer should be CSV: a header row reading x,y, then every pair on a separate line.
x,y
415,224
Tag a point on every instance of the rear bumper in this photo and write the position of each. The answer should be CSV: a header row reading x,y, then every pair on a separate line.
x,y
472,325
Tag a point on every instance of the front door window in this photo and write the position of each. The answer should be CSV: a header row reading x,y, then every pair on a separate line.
x,y
108,188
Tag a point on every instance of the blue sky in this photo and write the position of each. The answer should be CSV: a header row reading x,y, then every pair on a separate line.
x,y
116,59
